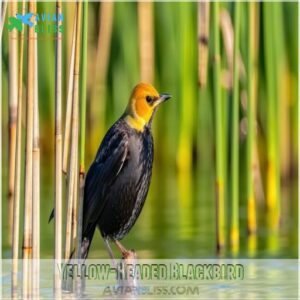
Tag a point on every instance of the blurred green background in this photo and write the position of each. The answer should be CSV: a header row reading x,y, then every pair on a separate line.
x,y
179,217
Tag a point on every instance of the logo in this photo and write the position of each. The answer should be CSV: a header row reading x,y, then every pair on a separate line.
x,y
44,23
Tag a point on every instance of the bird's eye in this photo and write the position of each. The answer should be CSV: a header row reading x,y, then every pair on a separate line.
x,y
149,99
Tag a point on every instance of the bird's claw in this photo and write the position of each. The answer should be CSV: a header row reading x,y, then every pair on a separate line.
x,y
129,254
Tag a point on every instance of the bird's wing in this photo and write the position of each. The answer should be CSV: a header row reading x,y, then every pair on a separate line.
x,y
102,173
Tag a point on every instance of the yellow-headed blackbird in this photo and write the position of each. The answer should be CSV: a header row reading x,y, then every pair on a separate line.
x,y
118,180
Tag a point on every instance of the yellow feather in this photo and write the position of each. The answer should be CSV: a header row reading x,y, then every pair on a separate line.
x,y
139,111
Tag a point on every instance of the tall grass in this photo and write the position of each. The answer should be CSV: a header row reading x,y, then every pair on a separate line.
x,y
73,167
35,182
97,105
18,177
13,107
188,92
220,195
67,133
203,36
3,12
273,182
58,148
251,119
234,234
31,94
82,121
146,41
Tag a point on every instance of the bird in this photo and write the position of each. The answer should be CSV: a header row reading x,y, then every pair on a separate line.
x,y
118,180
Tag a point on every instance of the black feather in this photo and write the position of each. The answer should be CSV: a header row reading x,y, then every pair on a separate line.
x,y
116,183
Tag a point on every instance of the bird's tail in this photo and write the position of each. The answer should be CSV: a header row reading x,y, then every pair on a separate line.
x,y
86,242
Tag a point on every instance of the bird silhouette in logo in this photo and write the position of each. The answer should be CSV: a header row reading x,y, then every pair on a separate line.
x,y
16,22
26,19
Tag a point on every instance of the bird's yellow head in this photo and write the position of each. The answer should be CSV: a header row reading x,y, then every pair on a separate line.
x,y
142,104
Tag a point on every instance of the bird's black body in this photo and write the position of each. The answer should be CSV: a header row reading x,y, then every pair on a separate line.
x,y
118,180
117,183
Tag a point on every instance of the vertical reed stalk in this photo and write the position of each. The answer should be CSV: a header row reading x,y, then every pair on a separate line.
x,y
188,68
73,168
97,103
67,135
220,196
27,240
251,220
58,151
17,190
75,197
13,106
203,36
279,84
228,40
69,219
257,180
3,12
35,182
82,123
146,40
234,234
272,196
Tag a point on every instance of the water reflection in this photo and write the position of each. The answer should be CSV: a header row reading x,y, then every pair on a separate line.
x,y
256,279
178,220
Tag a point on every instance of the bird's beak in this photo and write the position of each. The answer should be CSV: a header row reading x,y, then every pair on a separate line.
x,y
163,98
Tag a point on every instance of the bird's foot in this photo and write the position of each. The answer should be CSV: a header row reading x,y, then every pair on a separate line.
x,y
129,254
126,254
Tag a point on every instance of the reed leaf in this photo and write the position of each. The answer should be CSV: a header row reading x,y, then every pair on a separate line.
x,y
251,120
220,195
272,197
82,121
234,234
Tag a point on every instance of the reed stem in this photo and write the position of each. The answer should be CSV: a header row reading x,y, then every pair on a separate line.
x,y
27,240
251,120
17,190
35,183
82,123
67,135
58,150
188,67
146,41
73,168
98,103
13,107
203,36
220,196
272,197
3,12
234,235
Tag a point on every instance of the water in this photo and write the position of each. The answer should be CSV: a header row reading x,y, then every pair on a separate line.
x,y
248,279
178,221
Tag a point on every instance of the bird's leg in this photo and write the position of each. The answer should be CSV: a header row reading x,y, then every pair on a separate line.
x,y
128,258
125,253
106,241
